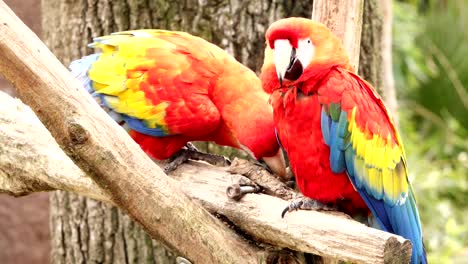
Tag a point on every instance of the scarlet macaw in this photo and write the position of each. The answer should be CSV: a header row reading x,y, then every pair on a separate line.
x,y
342,144
171,88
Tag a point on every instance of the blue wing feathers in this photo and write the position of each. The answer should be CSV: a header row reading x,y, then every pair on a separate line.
x,y
337,132
79,69
325,124
337,161
139,126
401,219
378,210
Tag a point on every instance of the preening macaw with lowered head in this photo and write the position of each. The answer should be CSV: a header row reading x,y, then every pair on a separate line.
x,y
171,88
343,146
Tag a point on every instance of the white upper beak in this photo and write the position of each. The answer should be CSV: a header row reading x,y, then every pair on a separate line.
x,y
282,57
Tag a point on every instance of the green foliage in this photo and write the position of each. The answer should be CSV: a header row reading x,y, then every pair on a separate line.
x,y
441,189
444,43
431,73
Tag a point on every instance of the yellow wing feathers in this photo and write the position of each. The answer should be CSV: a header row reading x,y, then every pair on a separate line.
x,y
158,79
379,163
120,71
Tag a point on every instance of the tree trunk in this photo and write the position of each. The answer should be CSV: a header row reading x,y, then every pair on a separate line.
x,y
370,59
389,92
86,231
375,62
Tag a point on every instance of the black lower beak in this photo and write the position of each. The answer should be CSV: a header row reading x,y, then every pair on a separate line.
x,y
294,70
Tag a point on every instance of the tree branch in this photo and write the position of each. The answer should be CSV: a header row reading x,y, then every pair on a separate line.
x,y
32,161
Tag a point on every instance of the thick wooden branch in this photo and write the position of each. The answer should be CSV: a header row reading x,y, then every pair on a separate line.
x,y
269,185
330,235
100,146
344,18
31,160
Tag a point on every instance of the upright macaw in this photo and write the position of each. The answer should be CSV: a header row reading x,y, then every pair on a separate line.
x,y
342,144
171,88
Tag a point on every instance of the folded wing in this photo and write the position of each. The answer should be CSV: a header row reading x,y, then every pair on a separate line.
x,y
156,81
363,142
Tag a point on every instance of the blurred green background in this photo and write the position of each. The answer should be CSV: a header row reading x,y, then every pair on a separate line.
x,y
430,61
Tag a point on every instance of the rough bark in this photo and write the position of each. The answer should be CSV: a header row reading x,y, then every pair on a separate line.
x,y
257,215
313,232
102,235
375,62
370,60
389,92
69,26
30,12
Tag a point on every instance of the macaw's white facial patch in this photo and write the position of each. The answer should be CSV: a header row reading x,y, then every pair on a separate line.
x,y
305,51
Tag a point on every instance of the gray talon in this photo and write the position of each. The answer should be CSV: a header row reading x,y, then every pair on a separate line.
x,y
237,191
191,152
305,203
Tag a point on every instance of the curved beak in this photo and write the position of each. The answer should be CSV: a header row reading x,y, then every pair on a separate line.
x,y
277,164
286,62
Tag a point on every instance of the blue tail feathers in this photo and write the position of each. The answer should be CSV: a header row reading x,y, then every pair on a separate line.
x,y
402,220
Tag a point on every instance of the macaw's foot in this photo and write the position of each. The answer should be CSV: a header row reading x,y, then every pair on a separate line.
x,y
305,203
191,152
